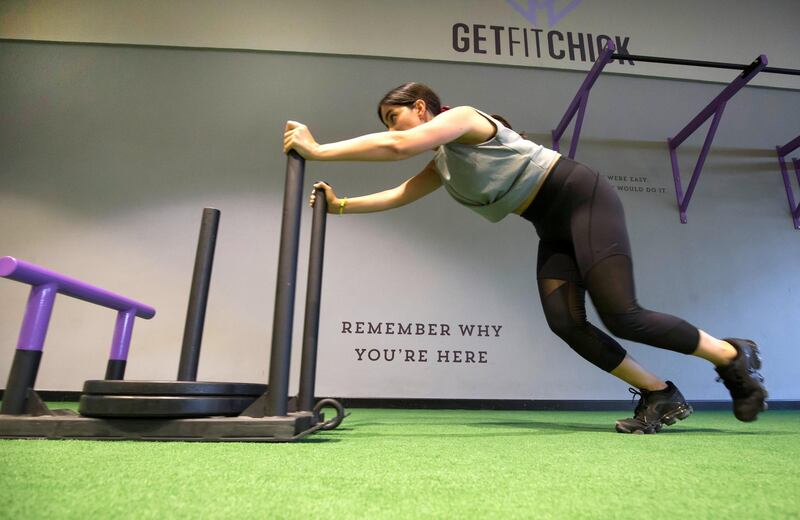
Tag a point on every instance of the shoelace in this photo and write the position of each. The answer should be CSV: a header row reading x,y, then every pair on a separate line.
x,y
639,406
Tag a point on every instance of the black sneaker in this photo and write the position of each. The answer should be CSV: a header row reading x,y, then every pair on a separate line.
x,y
655,409
742,379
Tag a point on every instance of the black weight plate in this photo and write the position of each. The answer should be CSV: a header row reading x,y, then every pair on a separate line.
x,y
172,388
113,406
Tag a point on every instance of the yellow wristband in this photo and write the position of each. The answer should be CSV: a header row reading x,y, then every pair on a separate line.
x,y
342,204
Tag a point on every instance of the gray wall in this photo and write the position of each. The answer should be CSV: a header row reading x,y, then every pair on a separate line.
x,y
109,153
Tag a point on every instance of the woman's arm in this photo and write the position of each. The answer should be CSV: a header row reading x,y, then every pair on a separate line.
x,y
385,146
416,187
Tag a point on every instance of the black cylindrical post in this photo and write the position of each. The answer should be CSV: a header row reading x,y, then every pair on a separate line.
x,y
20,380
283,318
198,296
115,369
308,365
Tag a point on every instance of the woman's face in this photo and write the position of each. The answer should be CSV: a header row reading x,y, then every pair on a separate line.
x,y
397,117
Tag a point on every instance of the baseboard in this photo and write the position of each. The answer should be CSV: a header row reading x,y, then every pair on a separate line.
x,y
589,405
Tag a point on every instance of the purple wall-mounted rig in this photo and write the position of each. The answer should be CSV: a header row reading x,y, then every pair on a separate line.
x,y
45,285
578,103
783,151
715,108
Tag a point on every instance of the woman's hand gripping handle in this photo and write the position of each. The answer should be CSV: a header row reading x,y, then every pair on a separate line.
x,y
335,204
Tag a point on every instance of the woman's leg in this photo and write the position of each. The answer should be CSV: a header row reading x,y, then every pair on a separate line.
x,y
563,302
610,284
563,299
563,305
635,375
581,213
602,251
564,308
715,350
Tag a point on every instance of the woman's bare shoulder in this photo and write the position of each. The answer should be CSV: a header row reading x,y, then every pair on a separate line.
x,y
480,129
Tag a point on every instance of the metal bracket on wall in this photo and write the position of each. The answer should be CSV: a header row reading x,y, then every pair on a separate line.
x,y
578,104
715,108
783,151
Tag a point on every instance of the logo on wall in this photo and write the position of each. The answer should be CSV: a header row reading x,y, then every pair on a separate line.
x,y
534,6
533,41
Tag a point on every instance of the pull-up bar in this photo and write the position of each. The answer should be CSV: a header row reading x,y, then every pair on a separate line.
x,y
715,108
697,63
607,55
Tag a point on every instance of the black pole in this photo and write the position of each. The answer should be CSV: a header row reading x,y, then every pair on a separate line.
x,y
115,369
21,379
698,63
308,365
198,296
280,358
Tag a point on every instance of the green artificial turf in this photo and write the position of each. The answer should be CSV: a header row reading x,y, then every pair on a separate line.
x,y
425,464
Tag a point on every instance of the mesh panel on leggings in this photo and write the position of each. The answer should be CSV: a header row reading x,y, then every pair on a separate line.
x,y
564,307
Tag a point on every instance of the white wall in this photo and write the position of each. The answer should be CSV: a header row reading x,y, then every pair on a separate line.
x,y
527,33
110,153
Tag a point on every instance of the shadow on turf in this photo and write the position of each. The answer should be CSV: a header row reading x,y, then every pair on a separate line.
x,y
324,437
560,427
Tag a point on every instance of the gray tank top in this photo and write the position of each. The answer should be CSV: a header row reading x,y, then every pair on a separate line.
x,y
494,178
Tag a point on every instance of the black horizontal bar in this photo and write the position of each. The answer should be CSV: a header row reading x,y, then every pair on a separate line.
x,y
697,63
778,70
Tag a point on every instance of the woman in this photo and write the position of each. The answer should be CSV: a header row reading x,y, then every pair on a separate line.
x,y
584,246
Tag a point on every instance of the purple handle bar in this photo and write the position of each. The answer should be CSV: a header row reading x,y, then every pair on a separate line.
x,y
46,284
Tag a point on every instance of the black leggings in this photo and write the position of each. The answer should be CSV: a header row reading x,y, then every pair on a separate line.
x,y
584,247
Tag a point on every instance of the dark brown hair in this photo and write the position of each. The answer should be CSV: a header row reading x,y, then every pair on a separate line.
x,y
502,120
407,94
